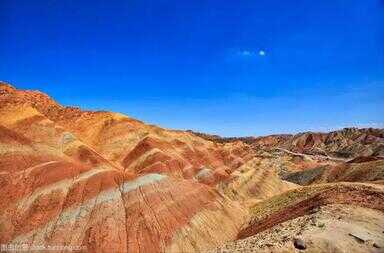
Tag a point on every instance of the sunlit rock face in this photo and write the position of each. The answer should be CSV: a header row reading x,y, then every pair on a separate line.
x,y
103,182
147,214
110,183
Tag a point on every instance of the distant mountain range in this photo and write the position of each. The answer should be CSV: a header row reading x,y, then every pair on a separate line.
x,y
345,143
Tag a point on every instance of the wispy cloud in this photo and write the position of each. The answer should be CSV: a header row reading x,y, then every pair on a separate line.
x,y
245,53
262,53
251,53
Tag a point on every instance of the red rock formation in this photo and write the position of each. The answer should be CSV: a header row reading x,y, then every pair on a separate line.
x,y
107,182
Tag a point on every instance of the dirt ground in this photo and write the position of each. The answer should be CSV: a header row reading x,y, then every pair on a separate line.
x,y
332,228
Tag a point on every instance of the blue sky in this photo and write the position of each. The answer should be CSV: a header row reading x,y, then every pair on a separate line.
x,y
227,67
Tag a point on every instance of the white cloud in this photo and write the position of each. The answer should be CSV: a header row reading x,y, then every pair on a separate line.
x,y
246,53
250,53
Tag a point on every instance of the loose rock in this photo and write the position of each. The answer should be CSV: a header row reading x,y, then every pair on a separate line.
x,y
299,243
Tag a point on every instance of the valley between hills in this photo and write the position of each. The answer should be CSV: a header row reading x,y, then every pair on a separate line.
x,y
105,182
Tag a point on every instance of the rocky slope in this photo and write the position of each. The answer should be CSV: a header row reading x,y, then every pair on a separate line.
x,y
109,183
332,228
105,182
321,218
354,171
